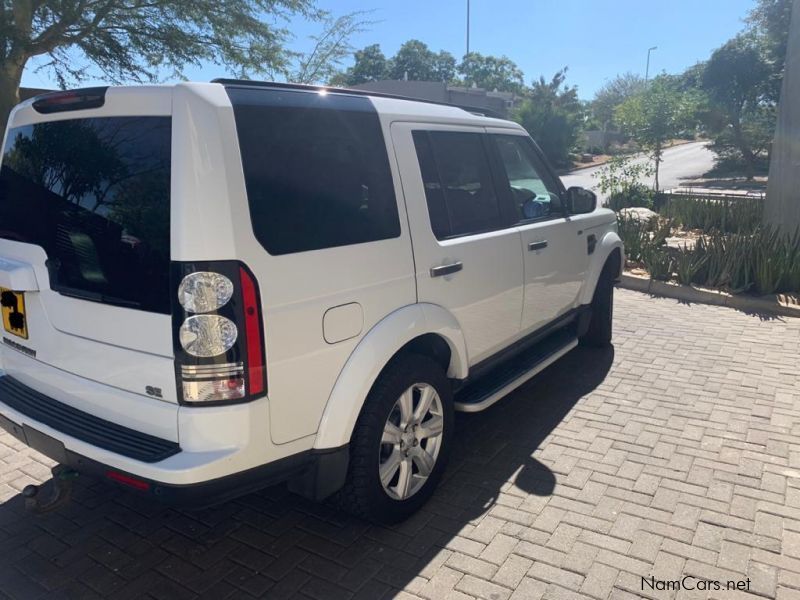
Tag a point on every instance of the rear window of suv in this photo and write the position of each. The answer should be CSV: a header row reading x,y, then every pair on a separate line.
x,y
94,193
316,169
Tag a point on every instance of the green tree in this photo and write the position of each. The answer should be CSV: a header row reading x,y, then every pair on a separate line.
x,y
768,23
552,114
655,116
330,48
141,40
370,65
741,114
611,95
491,73
415,61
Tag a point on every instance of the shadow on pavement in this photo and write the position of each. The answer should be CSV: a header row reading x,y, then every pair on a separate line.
x,y
272,544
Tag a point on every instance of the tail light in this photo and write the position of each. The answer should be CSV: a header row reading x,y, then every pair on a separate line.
x,y
217,333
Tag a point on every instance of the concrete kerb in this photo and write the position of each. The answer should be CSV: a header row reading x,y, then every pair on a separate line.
x,y
773,304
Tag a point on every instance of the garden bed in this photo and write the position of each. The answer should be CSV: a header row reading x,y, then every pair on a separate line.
x,y
716,248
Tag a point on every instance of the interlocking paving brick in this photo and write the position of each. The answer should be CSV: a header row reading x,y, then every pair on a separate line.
x,y
675,454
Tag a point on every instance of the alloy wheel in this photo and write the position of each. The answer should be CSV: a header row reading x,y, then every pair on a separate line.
x,y
411,440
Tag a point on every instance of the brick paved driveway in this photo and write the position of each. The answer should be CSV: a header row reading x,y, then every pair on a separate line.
x,y
673,455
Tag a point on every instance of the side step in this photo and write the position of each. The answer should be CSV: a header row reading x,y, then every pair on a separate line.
x,y
503,379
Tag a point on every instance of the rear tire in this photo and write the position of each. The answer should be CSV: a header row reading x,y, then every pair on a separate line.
x,y
396,457
598,335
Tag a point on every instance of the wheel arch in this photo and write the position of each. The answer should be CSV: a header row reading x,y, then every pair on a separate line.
x,y
423,328
609,248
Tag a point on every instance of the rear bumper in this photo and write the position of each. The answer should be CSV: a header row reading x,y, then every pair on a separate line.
x,y
196,495
223,451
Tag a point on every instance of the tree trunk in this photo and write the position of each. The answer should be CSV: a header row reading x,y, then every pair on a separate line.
x,y
657,159
782,206
10,78
746,151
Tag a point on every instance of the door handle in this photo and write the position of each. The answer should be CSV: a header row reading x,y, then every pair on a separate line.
x,y
537,245
446,269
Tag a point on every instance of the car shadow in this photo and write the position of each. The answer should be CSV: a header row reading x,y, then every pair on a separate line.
x,y
273,544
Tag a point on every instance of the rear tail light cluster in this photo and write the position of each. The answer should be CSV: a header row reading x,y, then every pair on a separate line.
x,y
217,333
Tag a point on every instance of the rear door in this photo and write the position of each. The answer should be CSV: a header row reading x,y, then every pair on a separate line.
x,y
466,249
85,237
553,243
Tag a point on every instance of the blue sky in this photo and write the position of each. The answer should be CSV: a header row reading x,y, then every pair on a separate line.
x,y
595,39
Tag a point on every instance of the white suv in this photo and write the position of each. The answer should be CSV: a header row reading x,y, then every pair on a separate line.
x,y
211,287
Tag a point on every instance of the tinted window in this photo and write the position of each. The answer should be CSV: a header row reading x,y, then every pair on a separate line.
x,y
316,169
458,183
534,195
94,193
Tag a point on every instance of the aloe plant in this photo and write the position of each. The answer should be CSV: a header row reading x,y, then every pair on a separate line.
x,y
741,215
658,262
688,262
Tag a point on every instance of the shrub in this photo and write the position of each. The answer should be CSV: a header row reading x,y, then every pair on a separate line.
x,y
688,263
764,261
635,195
658,262
620,175
635,236
742,215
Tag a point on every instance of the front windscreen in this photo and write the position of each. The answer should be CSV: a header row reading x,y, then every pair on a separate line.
x,y
95,194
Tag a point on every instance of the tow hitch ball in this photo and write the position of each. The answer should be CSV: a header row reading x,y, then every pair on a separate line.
x,y
62,489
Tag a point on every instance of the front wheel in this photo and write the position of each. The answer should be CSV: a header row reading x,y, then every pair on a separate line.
x,y
598,335
401,442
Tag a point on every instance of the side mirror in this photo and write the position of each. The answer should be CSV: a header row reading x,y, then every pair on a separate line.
x,y
580,201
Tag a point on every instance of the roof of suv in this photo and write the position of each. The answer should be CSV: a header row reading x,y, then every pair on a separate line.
x,y
411,107
397,107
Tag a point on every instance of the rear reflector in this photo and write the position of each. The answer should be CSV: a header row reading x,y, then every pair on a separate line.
x,y
128,480
252,326
72,100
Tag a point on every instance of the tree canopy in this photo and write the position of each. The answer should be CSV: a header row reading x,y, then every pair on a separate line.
x,y
551,113
612,94
145,40
415,61
656,115
741,114
491,73
370,65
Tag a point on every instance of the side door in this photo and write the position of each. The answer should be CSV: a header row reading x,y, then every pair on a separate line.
x,y
554,244
467,249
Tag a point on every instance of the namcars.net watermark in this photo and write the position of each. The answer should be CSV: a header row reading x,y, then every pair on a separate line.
x,y
690,582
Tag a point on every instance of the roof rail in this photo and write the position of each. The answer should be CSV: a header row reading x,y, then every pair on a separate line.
x,y
475,110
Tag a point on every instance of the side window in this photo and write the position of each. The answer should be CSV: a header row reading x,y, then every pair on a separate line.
x,y
458,183
316,169
534,195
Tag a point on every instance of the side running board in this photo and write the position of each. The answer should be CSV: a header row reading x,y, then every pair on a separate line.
x,y
505,378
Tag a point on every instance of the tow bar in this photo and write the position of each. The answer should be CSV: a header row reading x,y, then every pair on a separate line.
x,y
62,480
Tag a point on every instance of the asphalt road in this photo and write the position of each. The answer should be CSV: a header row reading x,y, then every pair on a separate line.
x,y
683,162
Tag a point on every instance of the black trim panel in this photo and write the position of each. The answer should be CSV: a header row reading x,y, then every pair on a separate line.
x,y
83,426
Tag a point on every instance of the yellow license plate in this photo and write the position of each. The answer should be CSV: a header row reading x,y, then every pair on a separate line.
x,y
13,304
